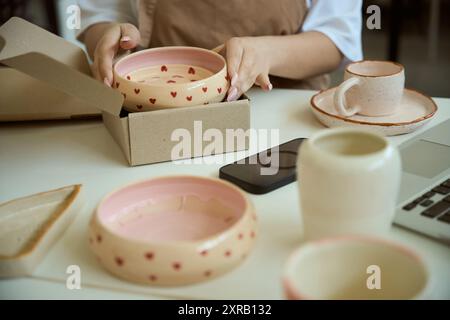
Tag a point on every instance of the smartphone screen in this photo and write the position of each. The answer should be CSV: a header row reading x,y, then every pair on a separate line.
x,y
266,171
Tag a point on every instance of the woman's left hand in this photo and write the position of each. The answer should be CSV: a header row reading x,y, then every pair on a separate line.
x,y
247,64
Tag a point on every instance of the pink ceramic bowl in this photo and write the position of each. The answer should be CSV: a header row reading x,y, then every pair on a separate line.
x,y
171,77
355,268
173,230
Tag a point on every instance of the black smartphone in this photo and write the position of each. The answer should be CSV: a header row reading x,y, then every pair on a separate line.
x,y
266,171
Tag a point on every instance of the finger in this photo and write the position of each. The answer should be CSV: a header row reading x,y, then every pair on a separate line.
x,y
129,36
219,48
263,81
105,69
233,94
233,56
104,55
246,74
94,70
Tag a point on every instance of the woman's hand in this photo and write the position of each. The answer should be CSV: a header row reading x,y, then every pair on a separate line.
x,y
108,40
248,64
251,59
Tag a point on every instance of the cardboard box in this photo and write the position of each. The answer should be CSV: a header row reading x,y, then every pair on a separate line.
x,y
47,77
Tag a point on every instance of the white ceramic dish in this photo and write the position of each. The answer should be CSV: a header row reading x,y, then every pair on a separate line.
x,y
29,226
173,230
415,110
353,267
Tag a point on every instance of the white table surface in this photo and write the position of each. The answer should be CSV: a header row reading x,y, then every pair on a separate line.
x,y
43,156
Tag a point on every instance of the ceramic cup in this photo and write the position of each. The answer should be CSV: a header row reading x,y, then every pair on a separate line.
x,y
356,268
348,182
370,88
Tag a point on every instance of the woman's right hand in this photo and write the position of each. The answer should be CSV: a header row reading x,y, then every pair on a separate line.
x,y
111,38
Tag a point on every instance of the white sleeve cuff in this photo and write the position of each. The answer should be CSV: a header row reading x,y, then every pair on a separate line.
x,y
97,11
341,21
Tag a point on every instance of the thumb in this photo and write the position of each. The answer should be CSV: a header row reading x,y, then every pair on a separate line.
x,y
129,36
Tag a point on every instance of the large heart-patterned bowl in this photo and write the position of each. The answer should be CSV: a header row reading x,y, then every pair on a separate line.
x,y
171,77
173,230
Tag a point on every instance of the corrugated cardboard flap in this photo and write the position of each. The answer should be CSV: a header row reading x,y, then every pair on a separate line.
x,y
48,58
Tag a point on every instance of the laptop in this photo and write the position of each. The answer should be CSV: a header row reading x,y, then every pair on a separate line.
x,y
424,200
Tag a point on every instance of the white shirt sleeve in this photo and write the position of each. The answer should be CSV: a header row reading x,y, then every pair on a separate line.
x,y
95,11
341,21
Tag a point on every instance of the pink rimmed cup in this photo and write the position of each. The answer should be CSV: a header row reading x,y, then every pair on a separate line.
x,y
171,77
370,88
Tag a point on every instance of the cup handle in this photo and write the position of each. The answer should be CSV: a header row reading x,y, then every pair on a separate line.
x,y
339,98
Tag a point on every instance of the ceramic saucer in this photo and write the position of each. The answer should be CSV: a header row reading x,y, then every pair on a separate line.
x,y
416,110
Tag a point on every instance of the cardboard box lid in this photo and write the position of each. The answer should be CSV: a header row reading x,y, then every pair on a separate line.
x,y
55,61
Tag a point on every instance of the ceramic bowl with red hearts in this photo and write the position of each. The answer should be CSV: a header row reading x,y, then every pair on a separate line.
x,y
173,230
171,77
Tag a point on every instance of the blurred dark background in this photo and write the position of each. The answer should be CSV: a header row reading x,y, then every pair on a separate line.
x,y
415,33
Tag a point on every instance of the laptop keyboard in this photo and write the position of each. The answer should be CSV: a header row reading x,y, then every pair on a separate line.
x,y
434,204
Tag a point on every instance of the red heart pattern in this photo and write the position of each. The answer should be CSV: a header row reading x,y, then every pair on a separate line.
x,y
189,98
176,266
173,94
139,106
137,91
228,219
219,90
128,78
205,89
119,261
152,101
191,70
164,69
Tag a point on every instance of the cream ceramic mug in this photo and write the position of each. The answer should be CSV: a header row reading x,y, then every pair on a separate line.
x,y
370,88
348,181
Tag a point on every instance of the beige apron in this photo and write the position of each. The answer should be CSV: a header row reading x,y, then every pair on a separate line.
x,y
209,23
